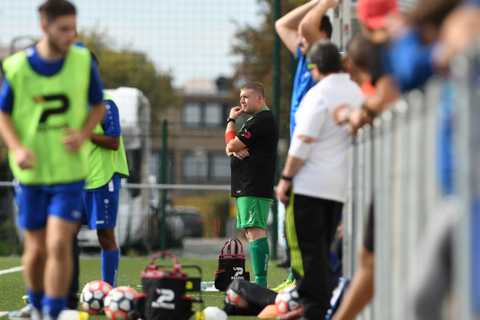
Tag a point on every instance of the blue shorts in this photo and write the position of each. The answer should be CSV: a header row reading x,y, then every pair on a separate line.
x,y
101,205
37,202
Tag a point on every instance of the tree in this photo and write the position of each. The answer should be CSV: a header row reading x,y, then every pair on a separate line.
x,y
254,46
127,67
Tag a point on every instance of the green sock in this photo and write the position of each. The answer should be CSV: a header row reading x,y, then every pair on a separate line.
x,y
259,254
290,276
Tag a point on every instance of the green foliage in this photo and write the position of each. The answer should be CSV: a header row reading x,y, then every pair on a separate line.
x,y
127,67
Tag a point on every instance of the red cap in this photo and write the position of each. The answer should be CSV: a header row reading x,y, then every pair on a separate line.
x,y
373,13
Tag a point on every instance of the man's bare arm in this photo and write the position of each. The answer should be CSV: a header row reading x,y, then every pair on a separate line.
x,y
310,24
287,26
106,142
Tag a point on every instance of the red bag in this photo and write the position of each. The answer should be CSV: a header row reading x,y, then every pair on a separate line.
x,y
231,264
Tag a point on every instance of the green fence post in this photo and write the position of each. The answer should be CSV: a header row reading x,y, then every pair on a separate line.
x,y
276,110
163,180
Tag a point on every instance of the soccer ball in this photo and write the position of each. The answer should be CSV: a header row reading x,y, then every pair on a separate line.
x,y
92,296
232,297
120,303
287,300
214,313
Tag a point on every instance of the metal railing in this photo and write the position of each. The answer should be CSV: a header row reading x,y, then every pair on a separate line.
x,y
395,166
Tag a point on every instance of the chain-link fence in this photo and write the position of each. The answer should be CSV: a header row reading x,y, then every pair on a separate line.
x,y
182,59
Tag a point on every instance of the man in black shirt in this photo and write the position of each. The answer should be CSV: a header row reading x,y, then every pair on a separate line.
x,y
253,154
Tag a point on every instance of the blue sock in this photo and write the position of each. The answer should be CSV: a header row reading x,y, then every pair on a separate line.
x,y
53,306
110,260
35,298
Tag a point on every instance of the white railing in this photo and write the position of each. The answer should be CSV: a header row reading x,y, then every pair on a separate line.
x,y
395,165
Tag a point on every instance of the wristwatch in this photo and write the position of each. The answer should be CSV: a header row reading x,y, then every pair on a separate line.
x,y
289,179
230,120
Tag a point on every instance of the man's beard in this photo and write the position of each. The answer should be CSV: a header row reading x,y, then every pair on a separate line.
x,y
55,48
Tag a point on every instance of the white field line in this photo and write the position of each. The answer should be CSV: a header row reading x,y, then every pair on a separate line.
x,y
11,270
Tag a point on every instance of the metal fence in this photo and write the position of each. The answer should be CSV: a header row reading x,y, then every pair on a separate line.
x,y
395,165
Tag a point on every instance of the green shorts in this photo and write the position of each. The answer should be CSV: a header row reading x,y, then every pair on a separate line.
x,y
252,212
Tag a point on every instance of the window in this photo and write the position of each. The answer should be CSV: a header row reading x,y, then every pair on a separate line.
x,y
201,166
192,114
195,166
213,115
201,114
219,167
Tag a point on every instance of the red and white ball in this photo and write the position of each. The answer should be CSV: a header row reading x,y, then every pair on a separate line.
x,y
93,295
232,297
287,300
120,303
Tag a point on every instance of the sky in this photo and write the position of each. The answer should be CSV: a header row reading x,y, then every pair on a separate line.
x,y
191,38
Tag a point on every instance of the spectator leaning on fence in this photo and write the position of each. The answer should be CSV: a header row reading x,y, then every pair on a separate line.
x,y
360,291
253,153
411,61
316,173
407,49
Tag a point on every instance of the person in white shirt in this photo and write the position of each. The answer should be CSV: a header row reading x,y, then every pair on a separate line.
x,y
316,173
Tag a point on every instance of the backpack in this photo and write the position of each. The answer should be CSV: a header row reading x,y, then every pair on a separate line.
x,y
166,290
231,264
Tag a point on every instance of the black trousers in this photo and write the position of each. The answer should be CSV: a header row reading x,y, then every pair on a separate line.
x,y
316,221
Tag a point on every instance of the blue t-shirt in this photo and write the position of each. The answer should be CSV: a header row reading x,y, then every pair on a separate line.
x,y
409,61
111,120
302,82
48,69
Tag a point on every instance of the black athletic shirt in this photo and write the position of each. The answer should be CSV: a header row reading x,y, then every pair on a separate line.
x,y
254,175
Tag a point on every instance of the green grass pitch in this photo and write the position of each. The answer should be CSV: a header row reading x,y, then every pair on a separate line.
x,y
12,287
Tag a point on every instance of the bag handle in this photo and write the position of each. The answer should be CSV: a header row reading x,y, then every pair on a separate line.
x,y
227,248
177,267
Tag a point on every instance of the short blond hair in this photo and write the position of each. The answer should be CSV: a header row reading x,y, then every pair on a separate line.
x,y
255,86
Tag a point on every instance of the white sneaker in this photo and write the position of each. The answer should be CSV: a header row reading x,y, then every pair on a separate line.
x,y
23,313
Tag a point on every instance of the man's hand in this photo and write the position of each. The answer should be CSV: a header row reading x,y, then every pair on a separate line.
x,y
341,114
294,314
74,139
235,112
24,158
358,118
242,154
283,191
228,152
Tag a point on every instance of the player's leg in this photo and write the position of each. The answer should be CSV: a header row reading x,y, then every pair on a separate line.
x,y
32,217
33,261
58,269
259,254
110,255
254,214
103,208
64,209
